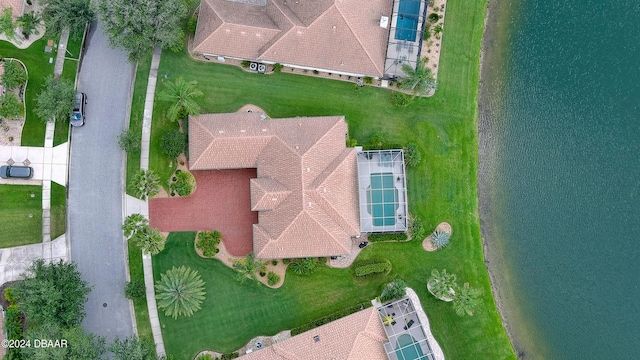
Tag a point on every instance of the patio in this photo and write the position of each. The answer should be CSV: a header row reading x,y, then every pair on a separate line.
x,y
407,338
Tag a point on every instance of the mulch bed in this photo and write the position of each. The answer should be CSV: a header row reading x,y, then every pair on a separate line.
x,y
221,201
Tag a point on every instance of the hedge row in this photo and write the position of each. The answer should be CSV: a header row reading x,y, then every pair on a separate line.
x,y
329,318
371,267
399,236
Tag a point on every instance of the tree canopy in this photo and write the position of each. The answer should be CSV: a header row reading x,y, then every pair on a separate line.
x,y
74,14
180,291
418,79
137,26
182,95
56,99
132,348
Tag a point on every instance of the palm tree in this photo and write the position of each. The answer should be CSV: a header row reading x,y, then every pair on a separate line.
x,y
437,30
467,299
180,291
303,266
146,184
150,240
419,80
133,224
442,284
182,94
394,290
247,267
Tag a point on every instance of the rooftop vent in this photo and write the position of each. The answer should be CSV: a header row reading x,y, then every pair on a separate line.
x,y
316,338
384,21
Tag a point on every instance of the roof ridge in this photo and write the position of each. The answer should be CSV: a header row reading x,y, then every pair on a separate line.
x,y
282,33
364,48
211,7
326,133
336,241
280,351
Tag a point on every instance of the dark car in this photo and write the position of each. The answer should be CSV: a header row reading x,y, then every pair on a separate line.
x,y
9,172
77,117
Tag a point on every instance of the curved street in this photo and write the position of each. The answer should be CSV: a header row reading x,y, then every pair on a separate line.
x,y
96,183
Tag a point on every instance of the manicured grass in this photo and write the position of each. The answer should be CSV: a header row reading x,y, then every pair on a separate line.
x,y
233,313
39,68
16,205
135,121
58,210
140,306
442,188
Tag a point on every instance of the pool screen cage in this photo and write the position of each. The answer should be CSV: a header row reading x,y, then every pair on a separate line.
x,y
407,338
382,189
405,36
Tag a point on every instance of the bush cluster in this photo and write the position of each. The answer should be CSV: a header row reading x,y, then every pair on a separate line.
x,y
273,278
371,267
399,99
433,17
416,228
208,242
173,142
183,184
134,290
412,155
399,236
329,318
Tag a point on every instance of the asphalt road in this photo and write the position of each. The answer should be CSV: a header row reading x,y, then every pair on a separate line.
x,y
96,185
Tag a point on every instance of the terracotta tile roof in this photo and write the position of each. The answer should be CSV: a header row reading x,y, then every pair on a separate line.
x,y
306,190
359,336
17,6
338,35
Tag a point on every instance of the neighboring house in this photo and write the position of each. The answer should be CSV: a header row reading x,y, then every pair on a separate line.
x,y
359,336
306,190
349,37
17,7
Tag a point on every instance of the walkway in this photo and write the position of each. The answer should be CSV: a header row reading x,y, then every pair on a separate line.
x,y
134,205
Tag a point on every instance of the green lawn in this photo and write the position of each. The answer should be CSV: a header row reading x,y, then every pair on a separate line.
x,y
38,67
442,188
20,215
135,121
58,210
140,306
234,313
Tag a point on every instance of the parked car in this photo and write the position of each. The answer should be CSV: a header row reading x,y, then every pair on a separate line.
x,y
77,117
22,172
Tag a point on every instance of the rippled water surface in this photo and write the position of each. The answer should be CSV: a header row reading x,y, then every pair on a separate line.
x,y
560,175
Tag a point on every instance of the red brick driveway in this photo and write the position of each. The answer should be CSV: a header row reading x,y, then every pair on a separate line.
x,y
222,201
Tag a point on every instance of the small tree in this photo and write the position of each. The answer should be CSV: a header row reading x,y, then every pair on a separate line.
x,y
55,101
134,224
442,284
303,267
247,267
182,95
72,14
173,143
14,75
150,241
132,348
146,184
418,79
29,22
134,290
184,183
412,155
180,291
10,106
440,239
129,141
467,300
393,290
377,140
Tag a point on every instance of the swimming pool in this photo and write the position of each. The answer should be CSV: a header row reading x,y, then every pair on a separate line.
x,y
407,20
407,348
382,199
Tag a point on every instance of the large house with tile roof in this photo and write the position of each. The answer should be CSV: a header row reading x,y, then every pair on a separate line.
x,y
348,37
306,190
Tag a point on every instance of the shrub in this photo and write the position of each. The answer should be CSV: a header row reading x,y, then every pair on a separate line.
x,y
427,34
245,64
191,25
14,75
399,236
399,99
316,72
303,266
416,228
412,155
371,267
134,290
274,262
146,184
173,142
208,242
368,80
205,357
322,260
433,17
377,141
329,318
128,141
10,106
10,295
184,183
229,356
352,142
6,23
277,67
440,239
13,322
286,261
273,278
393,290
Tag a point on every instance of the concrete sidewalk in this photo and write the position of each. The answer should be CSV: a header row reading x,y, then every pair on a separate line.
x,y
136,206
15,261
